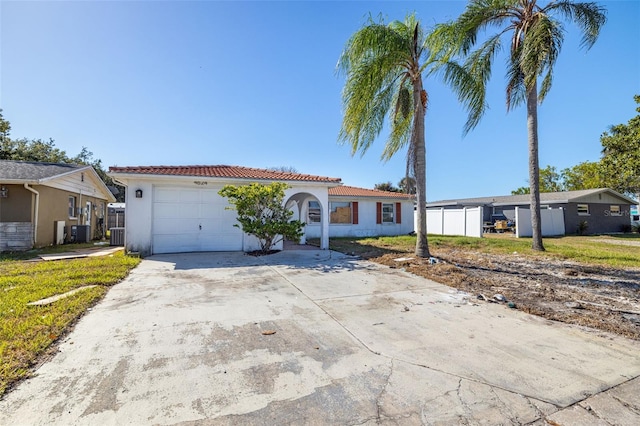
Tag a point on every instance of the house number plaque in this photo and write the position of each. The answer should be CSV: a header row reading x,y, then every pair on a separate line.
x,y
199,182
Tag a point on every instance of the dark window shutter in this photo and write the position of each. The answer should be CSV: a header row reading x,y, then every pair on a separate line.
x,y
398,212
378,213
354,212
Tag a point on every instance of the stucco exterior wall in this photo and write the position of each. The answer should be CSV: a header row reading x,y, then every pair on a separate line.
x,y
138,224
367,226
54,206
17,206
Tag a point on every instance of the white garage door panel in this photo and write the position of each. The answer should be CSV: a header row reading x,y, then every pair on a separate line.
x,y
186,219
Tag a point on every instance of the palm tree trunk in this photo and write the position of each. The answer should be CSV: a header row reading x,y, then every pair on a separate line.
x,y
534,166
420,169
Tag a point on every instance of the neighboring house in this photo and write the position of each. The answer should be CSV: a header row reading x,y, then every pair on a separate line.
x,y
174,209
42,204
359,212
603,210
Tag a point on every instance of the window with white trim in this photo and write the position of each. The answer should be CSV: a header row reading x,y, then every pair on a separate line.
x,y
615,211
314,213
72,207
387,213
583,209
339,212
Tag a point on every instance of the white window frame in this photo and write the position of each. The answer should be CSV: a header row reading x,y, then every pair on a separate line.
x,y
333,205
388,217
314,212
72,207
583,213
616,213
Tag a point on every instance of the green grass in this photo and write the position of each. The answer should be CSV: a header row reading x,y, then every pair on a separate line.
x,y
31,254
27,331
583,249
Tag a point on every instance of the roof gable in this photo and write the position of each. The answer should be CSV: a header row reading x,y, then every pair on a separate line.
x,y
220,171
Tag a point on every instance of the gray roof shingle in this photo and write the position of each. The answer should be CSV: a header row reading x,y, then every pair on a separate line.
x,y
33,171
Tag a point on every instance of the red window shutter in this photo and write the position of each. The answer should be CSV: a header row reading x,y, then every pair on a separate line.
x,y
354,212
378,213
398,212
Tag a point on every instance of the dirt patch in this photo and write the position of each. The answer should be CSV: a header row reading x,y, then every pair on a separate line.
x,y
603,298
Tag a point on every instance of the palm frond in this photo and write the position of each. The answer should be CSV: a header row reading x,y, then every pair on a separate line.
x,y
589,17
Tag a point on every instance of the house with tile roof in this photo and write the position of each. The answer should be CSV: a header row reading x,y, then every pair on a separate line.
x,y
601,210
43,204
174,209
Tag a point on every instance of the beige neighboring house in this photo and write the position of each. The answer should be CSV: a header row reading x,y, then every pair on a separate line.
x,y
44,204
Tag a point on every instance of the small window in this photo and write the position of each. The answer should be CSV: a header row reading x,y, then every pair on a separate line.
x,y
635,218
340,212
314,213
583,209
615,211
72,206
387,213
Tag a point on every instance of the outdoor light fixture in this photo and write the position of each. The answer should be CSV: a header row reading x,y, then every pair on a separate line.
x,y
138,193
4,192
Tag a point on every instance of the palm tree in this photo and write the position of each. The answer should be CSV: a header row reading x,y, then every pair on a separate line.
x,y
536,40
383,65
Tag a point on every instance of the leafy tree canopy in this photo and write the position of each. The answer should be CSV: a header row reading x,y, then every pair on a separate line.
x,y
407,185
261,213
386,186
621,155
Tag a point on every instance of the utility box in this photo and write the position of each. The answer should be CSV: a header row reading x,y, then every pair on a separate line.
x,y
116,237
59,232
80,233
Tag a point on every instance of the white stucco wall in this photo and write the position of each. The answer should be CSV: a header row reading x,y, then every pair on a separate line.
x,y
137,227
367,226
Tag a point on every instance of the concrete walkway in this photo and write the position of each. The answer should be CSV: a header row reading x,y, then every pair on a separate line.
x,y
188,339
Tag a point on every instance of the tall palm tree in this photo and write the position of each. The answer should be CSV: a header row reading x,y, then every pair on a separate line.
x,y
536,39
383,65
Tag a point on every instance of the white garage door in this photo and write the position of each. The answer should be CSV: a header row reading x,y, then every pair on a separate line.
x,y
193,219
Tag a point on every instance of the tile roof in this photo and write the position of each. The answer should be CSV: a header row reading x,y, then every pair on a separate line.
x,y
33,171
221,171
352,191
545,198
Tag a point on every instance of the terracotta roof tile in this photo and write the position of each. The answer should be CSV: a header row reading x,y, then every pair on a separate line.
x,y
221,171
352,191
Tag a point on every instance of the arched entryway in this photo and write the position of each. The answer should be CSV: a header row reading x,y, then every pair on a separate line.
x,y
311,209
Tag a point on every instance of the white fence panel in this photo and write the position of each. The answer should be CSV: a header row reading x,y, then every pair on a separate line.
x,y
465,221
474,222
552,222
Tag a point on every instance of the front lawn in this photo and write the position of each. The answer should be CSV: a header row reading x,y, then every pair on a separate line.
x,y
27,331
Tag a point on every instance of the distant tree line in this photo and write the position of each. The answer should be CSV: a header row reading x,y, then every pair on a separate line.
x,y
618,167
24,149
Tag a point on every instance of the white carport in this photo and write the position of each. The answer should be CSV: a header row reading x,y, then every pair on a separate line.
x,y
174,209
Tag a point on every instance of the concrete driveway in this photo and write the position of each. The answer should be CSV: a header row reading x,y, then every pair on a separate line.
x,y
189,339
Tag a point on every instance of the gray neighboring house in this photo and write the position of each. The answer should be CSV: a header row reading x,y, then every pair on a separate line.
x,y
604,210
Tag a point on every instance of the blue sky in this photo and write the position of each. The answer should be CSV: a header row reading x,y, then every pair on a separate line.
x,y
254,84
